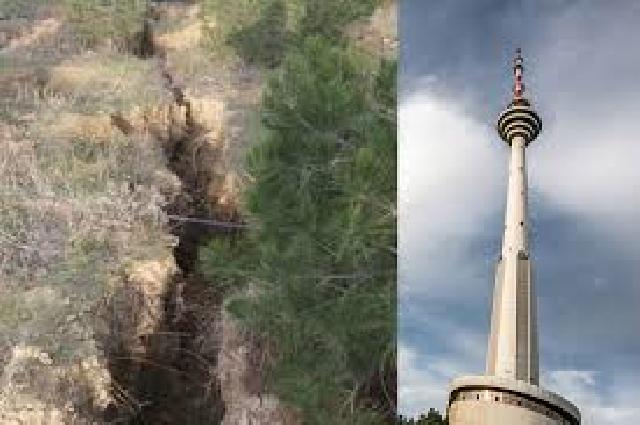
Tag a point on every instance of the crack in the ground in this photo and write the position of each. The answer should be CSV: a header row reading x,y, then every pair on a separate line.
x,y
175,380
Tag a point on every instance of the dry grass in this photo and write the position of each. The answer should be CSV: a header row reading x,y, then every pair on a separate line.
x,y
108,82
208,112
72,125
80,205
75,76
85,253
377,33
184,38
40,29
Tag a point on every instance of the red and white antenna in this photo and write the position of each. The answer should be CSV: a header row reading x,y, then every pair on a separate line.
x,y
518,87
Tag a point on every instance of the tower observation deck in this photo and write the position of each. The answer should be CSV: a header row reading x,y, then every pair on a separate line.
x,y
509,393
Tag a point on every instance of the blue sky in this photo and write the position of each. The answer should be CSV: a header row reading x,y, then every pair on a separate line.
x,y
582,70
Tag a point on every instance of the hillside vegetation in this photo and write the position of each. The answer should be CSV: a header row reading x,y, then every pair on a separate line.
x,y
432,417
80,211
119,116
315,275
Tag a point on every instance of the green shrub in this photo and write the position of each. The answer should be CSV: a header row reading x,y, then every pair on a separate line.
x,y
11,9
328,18
264,41
261,31
323,255
96,20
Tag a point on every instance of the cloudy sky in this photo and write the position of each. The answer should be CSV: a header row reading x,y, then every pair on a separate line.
x,y
582,70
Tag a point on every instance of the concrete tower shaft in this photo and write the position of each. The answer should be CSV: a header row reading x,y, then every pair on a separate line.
x,y
509,393
513,343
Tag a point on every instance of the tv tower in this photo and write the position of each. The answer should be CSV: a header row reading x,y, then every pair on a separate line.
x,y
509,393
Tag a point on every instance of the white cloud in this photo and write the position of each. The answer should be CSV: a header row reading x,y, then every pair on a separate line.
x,y
587,162
577,385
582,388
422,383
611,415
423,378
449,183
445,165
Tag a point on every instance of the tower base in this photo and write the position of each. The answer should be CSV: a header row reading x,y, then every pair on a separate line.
x,y
490,400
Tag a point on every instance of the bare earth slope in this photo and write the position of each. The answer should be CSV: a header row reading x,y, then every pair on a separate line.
x,y
103,318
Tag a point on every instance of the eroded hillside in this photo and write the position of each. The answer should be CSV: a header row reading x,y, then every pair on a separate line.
x,y
104,150
124,134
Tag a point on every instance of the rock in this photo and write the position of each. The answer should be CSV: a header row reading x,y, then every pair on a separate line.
x,y
45,359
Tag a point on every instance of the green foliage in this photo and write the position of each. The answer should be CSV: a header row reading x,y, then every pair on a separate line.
x,y
93,20
315,276
322,260
227,260
96,20
433,417
11,9
224,17
328,18
262,31
264,41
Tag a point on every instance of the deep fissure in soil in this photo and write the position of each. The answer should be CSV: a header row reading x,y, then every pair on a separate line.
x,y
173,380
177,383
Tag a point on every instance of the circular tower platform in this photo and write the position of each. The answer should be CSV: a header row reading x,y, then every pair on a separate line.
x,y
519,119
490,400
